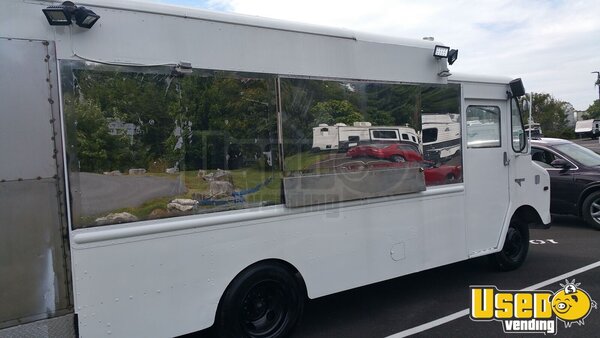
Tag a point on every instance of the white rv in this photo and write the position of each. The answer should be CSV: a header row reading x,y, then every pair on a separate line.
x,y
88,250
587,128
341,137
441,136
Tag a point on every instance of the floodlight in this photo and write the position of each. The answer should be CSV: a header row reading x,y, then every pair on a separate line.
x,y
62,15
441,51
85,18
452,56
59,15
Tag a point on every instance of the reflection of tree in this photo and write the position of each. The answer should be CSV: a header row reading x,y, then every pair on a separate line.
x,y
335,111
97,149
189,121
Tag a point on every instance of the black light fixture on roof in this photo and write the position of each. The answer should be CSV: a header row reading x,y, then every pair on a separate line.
x,y
62,15
85,18
452,56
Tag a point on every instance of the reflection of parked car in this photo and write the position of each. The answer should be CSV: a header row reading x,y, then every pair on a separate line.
x,y
442,174
434,175
393,152
574,177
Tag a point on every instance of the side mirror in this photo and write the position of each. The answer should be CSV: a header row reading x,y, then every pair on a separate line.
x,y
561,163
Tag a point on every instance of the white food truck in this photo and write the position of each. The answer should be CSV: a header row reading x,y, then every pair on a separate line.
x,y
96,239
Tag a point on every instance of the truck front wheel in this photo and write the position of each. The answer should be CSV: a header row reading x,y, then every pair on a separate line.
x,y
516,246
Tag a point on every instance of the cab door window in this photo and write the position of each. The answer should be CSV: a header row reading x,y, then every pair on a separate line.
x,y
483,127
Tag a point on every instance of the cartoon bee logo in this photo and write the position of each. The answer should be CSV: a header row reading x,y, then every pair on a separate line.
x,y
572,304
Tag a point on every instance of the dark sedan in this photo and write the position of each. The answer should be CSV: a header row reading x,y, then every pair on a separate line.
x,y
574,177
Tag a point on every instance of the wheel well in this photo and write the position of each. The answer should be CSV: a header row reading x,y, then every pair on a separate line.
x,y
528,215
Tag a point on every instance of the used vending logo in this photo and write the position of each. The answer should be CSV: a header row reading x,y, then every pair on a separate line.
x,y
531,311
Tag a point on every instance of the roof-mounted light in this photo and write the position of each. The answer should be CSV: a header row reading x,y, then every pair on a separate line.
x,y
62,15
441,52
452,56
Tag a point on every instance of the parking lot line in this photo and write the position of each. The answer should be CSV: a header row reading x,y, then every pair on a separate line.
x,y
465,312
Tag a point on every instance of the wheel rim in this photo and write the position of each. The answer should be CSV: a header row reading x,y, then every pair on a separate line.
x,y
398,159
514,243
595,210
264,309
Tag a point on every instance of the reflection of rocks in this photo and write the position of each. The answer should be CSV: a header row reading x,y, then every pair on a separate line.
x,y
199,196
219,175
172,170
137,171
120,217
220,189
182,204
112,173
159,213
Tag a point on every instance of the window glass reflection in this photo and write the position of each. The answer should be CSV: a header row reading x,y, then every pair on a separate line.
x,y
483,126
336,128
144,143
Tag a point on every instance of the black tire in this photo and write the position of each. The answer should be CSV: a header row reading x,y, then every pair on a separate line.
x,y
265,300
591,206
515,247
397,158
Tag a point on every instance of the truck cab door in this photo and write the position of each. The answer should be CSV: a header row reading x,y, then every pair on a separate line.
x,y
486,172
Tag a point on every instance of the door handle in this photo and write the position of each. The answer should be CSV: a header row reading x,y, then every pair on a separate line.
x,y
506,160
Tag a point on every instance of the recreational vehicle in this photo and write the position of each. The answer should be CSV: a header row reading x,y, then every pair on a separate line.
x,y
441,136
587,128
151,234
342,137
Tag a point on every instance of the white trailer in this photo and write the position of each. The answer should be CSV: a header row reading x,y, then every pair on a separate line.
x,y
587,128
341,137
154,255
441,136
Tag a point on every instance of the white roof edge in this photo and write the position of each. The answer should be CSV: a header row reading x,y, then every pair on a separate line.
x,y
248,20
466,77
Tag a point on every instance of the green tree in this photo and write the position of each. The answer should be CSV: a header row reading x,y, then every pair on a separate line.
x,y
551,114
593,111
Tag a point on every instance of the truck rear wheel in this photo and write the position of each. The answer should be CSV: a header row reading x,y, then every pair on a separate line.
x,y
516,246
265,300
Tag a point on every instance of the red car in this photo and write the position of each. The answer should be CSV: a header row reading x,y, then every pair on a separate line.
x,y
441,175
392,152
